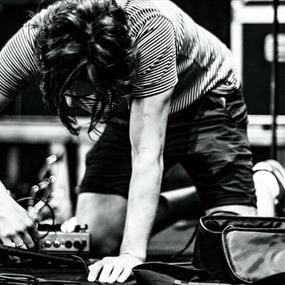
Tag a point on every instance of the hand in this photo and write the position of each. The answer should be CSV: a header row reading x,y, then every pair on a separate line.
x,y
113,269
69,225
16,227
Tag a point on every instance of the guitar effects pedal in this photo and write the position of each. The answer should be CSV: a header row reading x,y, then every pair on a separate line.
x,y
65,243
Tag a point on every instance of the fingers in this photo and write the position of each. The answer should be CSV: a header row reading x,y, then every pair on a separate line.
x,y
27,240
7,242
19,242
108,272
125,275
115,275
24,240
30,235
15,241
34,235
94,271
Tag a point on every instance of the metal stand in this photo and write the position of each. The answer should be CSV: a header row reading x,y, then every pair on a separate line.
x,y
274,83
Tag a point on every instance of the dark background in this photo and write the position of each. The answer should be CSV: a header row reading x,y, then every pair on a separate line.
x,y
15,12
214,15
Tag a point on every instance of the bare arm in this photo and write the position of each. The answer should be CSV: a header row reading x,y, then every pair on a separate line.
x,y
147,134
16,227
156,76
18,67
17,70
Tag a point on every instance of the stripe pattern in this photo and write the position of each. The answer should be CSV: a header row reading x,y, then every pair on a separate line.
x,y
174,51
17,64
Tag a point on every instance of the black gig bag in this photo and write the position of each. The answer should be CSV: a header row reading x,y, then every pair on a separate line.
x,y
240,249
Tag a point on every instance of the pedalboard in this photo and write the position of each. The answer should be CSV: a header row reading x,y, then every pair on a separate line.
x,y
65,243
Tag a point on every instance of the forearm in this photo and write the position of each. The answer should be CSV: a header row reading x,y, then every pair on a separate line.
x,y
142,205
6,201
4,195
3,192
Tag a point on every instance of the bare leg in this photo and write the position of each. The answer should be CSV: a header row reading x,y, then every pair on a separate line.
x,y
105,216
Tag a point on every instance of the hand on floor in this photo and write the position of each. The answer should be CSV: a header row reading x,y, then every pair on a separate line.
x,y
113,269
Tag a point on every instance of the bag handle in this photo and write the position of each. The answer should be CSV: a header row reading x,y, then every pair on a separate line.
x,y
223,213
191,239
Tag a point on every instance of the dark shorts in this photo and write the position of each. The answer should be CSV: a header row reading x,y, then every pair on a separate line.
x,y
208,139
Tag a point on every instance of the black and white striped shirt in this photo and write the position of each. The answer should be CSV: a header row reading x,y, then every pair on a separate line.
x,y
174,51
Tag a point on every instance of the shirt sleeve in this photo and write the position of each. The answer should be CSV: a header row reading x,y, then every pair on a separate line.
x,y
156,70
17,63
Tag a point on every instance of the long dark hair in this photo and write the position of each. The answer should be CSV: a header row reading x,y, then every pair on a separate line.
x,y
85,40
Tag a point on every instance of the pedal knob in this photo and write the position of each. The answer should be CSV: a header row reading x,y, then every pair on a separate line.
x,y
81,228
83,244
47,243
68,244
56,243
77,244
84,228
80,245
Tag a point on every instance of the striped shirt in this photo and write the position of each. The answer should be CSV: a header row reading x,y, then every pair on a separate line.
x,y
173,51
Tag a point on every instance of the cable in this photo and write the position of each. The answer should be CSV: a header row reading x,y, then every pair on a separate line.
x,y
83,262
19,279
42,186
189,242
46,204
55,281
63,282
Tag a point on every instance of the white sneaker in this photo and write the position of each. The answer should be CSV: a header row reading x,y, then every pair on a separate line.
x,y
278,172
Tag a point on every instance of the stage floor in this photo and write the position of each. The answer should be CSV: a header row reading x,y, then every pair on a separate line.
x,y
162,247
